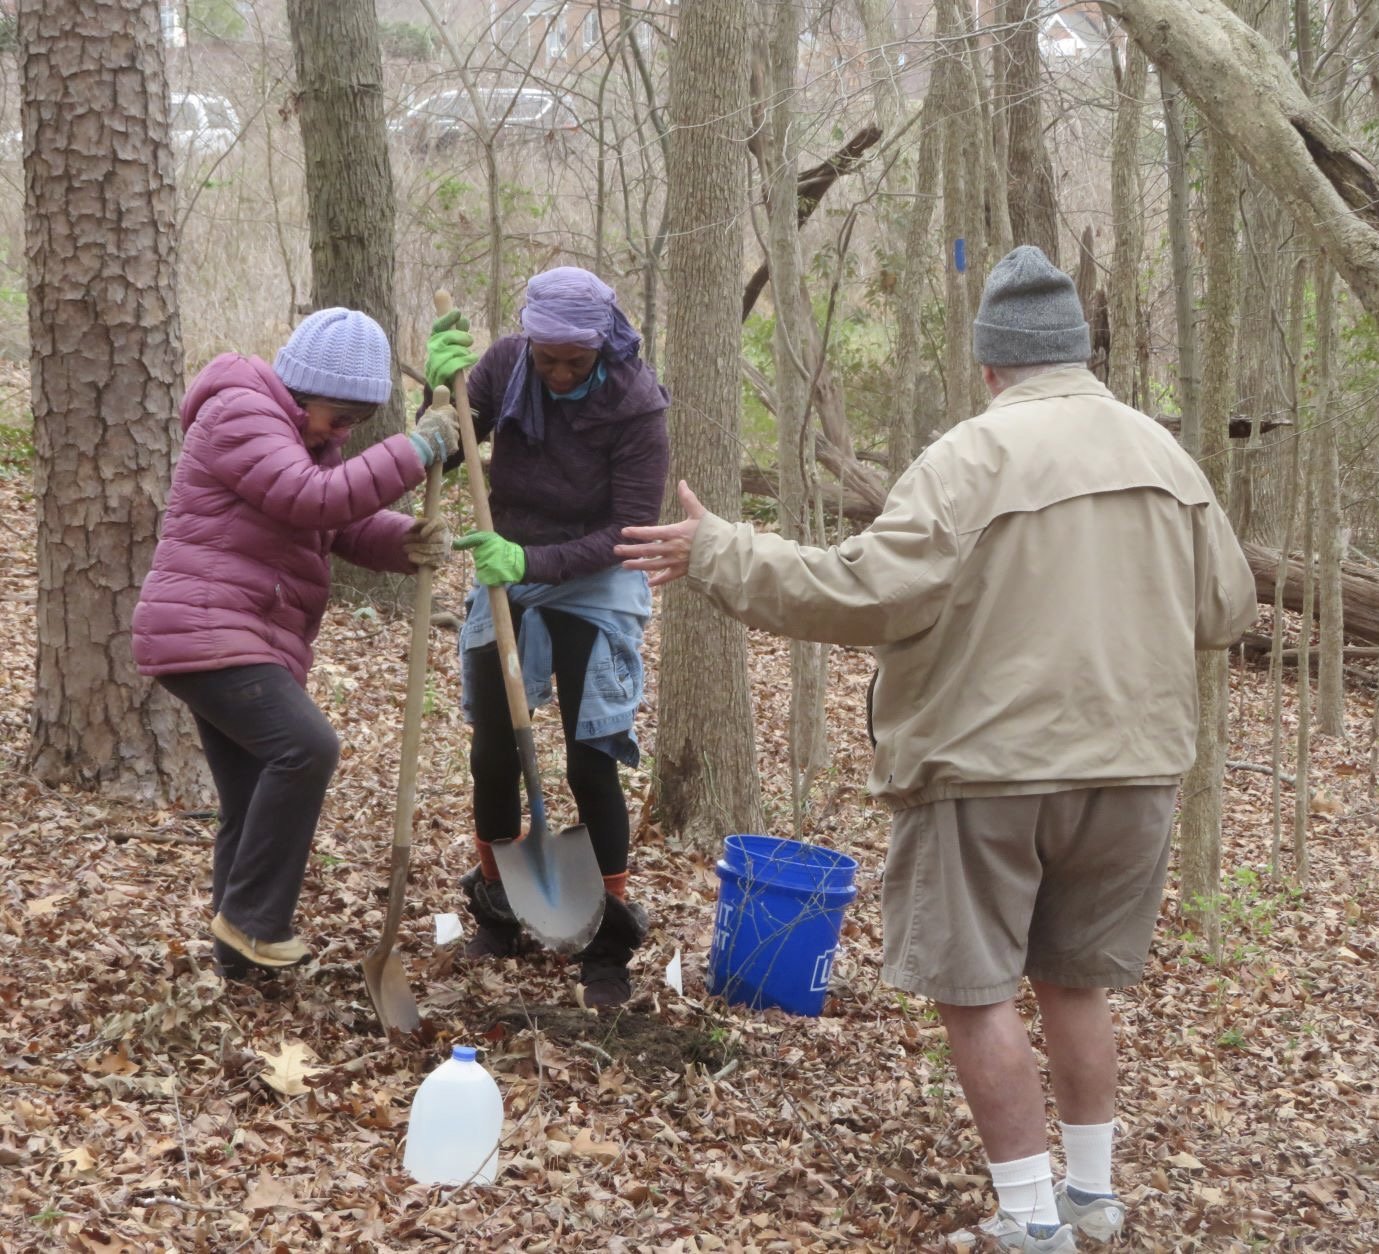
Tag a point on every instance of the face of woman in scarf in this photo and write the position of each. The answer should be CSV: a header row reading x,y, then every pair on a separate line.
x,y
562,367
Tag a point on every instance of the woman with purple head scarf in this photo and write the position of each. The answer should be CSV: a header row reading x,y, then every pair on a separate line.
x,y
578,426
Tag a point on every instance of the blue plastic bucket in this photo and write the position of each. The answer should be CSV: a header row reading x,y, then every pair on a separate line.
x,y
780,913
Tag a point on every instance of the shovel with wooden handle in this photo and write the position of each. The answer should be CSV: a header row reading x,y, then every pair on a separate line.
x,y
553,883
383,974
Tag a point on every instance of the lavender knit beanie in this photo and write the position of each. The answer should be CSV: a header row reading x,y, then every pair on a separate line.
x,y
337,353
1030,314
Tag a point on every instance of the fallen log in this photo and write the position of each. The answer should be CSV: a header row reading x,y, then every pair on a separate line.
x,y
762,481
1359,590
1258,649
1256,645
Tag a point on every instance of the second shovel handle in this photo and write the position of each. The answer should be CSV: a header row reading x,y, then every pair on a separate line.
x,y
497,597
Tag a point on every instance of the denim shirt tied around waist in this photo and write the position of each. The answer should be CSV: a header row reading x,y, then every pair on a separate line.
x,y
617,602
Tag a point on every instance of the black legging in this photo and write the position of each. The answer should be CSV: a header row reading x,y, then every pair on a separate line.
x,y
591,774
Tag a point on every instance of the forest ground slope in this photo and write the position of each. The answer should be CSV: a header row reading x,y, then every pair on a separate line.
x,y
149,1106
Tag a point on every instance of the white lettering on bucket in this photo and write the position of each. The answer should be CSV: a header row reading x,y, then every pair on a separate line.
x,y
823,968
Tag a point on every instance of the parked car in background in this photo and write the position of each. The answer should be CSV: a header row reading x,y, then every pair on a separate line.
x,y
203,125
448,118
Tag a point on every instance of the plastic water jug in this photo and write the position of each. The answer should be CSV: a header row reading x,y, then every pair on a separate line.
x,y
456,1120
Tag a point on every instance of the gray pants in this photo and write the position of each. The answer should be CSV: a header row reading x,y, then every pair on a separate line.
x,y
272,754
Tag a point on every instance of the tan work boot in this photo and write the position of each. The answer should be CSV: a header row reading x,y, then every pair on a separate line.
x,y
273,954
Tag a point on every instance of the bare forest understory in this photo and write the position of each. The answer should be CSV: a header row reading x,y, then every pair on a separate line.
x,y
149,1106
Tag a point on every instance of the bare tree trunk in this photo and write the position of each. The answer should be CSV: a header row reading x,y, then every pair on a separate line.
x,y
485,132
794,369
914,410
706,777
1327,472
878,28
1200,830
1247,92
1302,788
1292,346
988,207
1031,193
1127,215
959,168
1262,470
350,203
1184,281
1367,46
652,246
1326,493
106,359
1263,473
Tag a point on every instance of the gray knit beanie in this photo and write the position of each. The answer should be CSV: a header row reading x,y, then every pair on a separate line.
x,y
1030,314
338,353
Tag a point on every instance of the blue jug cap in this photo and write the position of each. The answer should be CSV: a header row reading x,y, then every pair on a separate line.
x,y
463,1053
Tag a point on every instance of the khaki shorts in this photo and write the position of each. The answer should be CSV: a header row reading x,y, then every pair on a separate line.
x,y
1063,887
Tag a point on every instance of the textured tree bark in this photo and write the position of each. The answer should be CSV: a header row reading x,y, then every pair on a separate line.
x,y
878,28
795,367
1127,214
961,233
100,216
1200,829
1030,189
1245,89
350,202
1302,752
1293,351
1180,248
989,205
1367,42
1326,455
705,766
915,409
1326,493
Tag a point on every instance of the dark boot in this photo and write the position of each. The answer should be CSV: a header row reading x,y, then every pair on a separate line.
x,y
603,962
498,934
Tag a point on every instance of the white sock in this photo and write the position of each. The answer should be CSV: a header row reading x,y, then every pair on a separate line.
x,y
1088,1150
1024,1189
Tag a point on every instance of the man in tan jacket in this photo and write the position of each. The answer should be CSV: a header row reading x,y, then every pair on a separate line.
x,y
1035,588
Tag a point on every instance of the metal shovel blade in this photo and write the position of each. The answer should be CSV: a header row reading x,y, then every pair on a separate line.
x,y
389,991
554,885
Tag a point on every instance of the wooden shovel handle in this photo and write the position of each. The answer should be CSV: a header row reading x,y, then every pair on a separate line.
x,y
506,637
411,716
497,597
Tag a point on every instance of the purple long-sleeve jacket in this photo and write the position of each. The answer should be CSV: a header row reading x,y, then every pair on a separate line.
x,y
241,574
601,467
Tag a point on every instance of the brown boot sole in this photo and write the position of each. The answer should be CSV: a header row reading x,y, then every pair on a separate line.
x,y
270,955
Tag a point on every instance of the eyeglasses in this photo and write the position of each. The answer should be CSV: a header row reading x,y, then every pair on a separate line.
x,y
344,417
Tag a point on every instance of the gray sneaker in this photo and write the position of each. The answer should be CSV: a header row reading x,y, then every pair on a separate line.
x,y
1011,1234
1099,1216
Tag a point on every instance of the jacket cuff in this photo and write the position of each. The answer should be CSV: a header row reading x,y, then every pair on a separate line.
x,y
708,540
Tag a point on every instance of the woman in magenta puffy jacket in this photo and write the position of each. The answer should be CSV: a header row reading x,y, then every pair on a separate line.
x,y
261,499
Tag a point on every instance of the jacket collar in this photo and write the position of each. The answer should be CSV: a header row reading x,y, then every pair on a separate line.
x,y
1064,381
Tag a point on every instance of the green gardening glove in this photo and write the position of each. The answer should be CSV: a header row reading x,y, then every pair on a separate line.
x,y
496,561
449,349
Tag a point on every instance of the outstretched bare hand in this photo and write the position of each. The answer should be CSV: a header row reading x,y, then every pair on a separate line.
x,y
663,552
